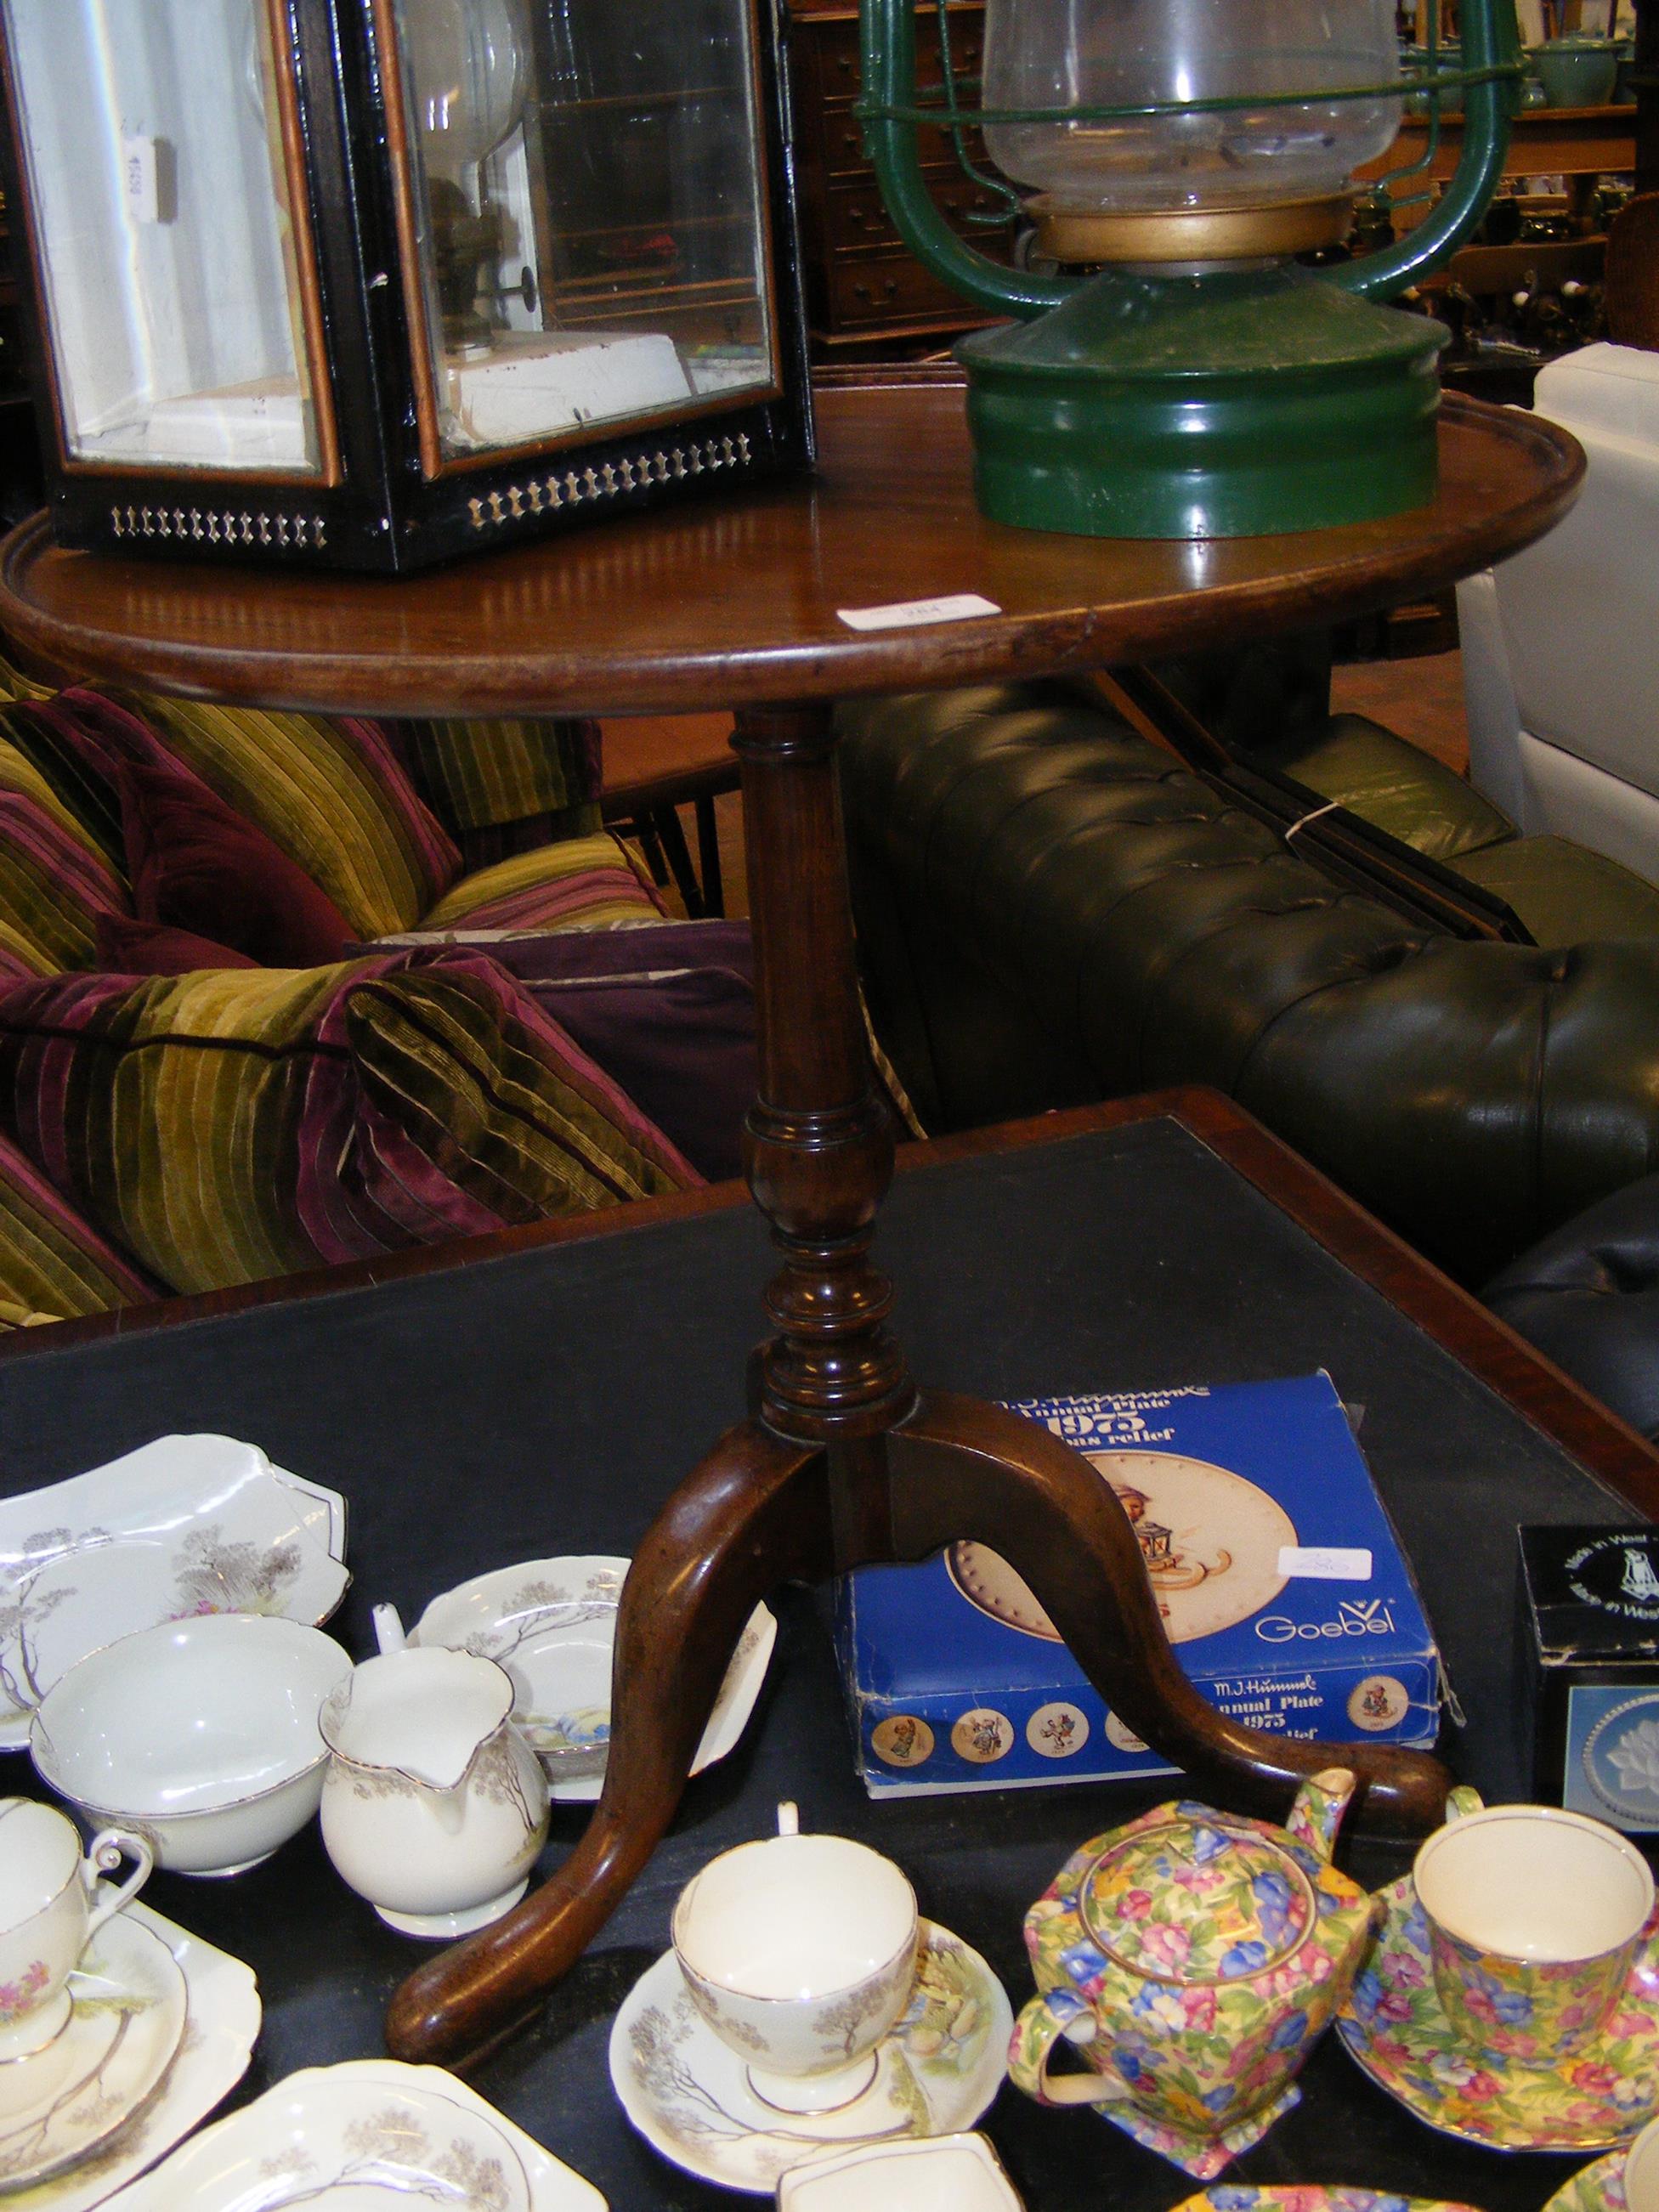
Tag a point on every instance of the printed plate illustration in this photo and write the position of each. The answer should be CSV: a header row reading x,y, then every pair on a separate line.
x,y
686,2093
186,1525
1393,2027
552,1624
1210,1539
222,2022
1597,2188
1612,1742
127,2022
440,2106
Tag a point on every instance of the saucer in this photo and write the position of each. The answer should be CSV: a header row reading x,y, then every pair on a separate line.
x,y
1393,2027
127,2020
1597,2188
1309,2197
368,2132
223,2021
552,1624
686,2092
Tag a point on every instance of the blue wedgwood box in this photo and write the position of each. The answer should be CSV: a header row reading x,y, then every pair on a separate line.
x,y
1280,1580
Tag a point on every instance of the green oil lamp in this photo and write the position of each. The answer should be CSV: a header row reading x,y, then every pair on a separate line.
x,y
1173,369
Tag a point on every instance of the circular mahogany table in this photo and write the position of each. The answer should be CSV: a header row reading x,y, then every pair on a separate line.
x,y
735,603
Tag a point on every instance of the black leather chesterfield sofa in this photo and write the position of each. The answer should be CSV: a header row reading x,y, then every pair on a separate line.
x,y
1051,908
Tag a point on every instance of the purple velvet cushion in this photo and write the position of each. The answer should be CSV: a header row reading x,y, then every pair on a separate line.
x,y
127,947
682,1047
196,865
668,1013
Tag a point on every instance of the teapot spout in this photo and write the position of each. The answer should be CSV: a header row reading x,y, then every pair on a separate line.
x,y
1320,1804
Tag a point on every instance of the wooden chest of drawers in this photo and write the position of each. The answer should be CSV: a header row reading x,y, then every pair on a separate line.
x,y
862,285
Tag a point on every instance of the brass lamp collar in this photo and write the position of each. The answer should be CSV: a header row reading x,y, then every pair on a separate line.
x,y
1089,235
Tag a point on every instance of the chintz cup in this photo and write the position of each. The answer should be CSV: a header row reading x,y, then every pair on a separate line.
x,y
1535,1916
800,1954
52,1903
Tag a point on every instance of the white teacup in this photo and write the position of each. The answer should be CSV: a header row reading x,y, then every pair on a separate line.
x,y
800,1954
1642,2171
52,1903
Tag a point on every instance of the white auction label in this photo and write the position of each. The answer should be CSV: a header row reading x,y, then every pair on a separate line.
x,y
910,614
1324,1562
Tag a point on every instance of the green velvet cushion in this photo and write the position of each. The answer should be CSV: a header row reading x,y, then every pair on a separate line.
x,y
483,772
1391,784
1564,893
53,1265
332,792
229,1126
584,883
54,883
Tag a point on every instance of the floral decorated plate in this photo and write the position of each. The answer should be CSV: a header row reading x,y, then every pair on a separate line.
x,y
127,2020
1597,2188
187,1524
1308,2197
552,1624
359,2136
687,2095
222,2022
1393,2027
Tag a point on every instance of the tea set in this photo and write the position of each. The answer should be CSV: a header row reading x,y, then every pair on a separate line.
x,y
808,2032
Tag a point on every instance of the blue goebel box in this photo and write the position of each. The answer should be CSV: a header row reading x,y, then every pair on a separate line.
x,y
1280,1579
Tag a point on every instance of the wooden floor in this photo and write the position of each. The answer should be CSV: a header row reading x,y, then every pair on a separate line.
x,y
1421,699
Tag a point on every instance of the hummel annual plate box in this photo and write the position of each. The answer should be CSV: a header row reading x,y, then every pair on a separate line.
x,y
1280,1577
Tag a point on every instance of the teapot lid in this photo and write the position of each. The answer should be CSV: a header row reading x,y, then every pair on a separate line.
x,y
1195,1901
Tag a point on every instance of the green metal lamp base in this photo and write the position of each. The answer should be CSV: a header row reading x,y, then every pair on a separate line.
x,y
1228,404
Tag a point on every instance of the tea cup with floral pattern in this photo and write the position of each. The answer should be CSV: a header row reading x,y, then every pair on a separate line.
x,y
800,1954
52,1903
1534,1915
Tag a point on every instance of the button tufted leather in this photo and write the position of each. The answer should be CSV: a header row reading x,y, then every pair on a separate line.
x,y
1051,908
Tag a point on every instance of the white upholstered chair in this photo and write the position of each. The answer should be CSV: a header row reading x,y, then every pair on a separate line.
x,y
1561,644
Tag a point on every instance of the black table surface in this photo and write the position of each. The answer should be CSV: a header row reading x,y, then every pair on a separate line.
x,y
546,1401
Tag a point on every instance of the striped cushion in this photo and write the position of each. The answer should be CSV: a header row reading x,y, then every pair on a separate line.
x,y
586,883
226,1126
479,774
54,882
331,793
74,766
52,1264
14,684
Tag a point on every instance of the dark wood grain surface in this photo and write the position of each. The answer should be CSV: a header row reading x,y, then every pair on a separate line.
x,y
543,1393
735,600
1487,1347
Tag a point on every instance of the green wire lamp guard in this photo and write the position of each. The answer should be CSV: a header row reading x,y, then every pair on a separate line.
x,y
1181,374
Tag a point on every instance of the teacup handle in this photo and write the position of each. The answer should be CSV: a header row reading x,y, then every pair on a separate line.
x,y
104,1854
1463,1801
1043,2021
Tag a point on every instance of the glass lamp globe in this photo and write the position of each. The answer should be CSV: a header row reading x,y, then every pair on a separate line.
x,y
1096,181
470,63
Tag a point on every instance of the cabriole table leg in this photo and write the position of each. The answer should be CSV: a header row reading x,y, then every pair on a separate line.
x,y
841,1462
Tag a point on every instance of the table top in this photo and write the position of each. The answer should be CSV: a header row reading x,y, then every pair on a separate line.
x,y
542,1392
733,600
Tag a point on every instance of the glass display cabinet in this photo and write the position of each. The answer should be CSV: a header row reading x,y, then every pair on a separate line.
x,y
371,283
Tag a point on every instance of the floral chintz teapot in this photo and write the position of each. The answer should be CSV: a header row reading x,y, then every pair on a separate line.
x,y
1194,1956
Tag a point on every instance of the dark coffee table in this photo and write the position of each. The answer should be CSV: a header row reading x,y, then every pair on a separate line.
x,y
542,1391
